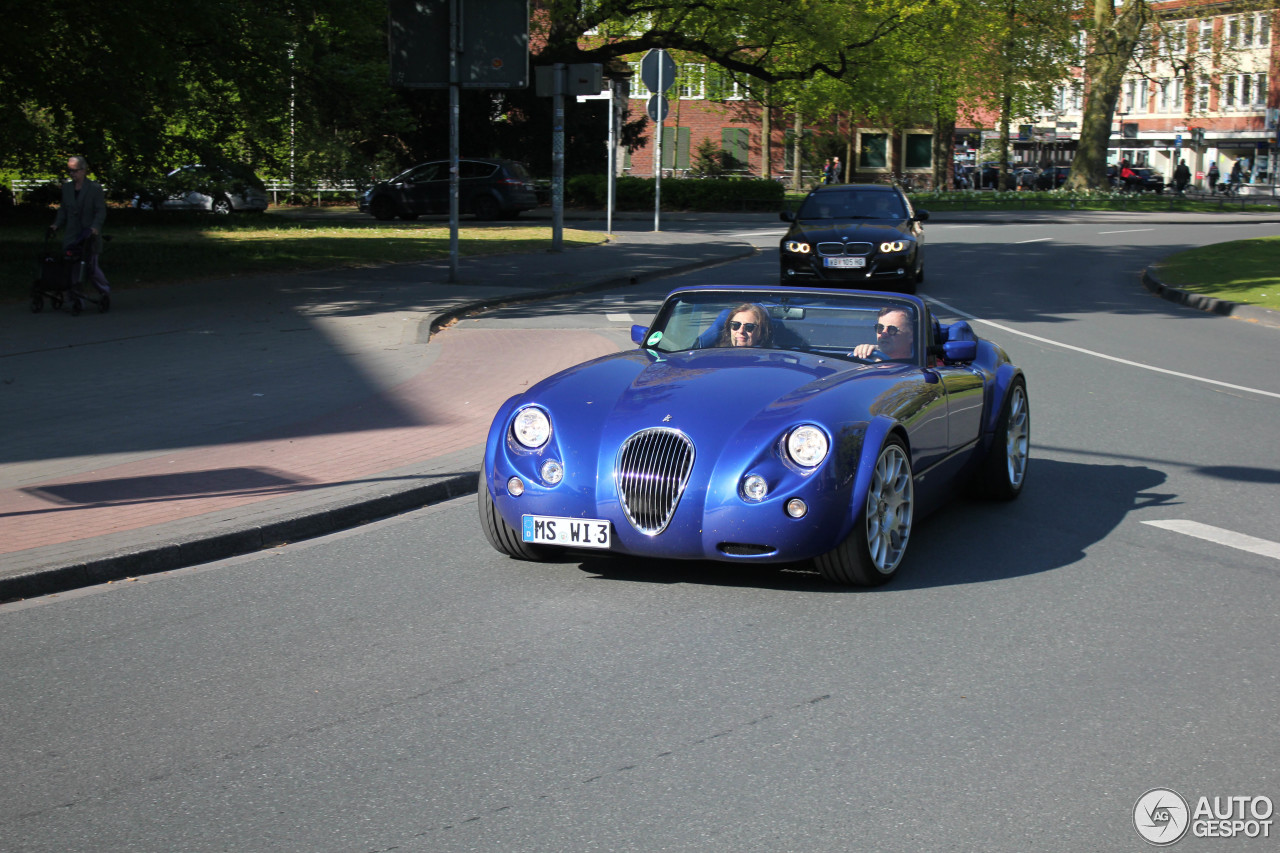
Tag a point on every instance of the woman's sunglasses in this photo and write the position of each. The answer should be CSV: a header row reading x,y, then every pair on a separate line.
x,y
750,327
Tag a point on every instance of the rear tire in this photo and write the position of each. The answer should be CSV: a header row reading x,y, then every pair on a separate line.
x,y
502,536
870,556
1004,471
486,207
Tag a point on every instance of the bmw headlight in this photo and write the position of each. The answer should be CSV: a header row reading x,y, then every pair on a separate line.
x,y
531,427
807,445
893,246
799,247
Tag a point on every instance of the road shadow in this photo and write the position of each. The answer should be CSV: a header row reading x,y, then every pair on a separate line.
x,y
1066,508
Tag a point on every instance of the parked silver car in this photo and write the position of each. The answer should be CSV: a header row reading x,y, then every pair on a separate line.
x,y
213,189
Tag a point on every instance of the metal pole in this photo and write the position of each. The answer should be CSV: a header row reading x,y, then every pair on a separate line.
x,y
657,177
455,45
612,159
557,160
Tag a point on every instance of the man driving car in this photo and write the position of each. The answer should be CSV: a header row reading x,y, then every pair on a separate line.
x,y
895,337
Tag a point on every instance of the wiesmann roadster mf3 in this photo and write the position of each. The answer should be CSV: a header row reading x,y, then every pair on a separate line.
x,y
759,424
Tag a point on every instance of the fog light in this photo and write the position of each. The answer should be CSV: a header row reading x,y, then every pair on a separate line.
x,y
515,487
552,472
754,488
796,508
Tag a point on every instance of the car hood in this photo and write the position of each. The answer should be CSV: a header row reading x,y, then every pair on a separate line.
x,y
715,396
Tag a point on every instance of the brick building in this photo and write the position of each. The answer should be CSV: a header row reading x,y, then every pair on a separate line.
x,y
1227,112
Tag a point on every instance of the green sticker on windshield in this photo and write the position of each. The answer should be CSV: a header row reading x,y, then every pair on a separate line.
x,y
653,339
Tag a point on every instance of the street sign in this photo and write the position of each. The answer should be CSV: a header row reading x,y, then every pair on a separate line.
x,y
657,63
659,109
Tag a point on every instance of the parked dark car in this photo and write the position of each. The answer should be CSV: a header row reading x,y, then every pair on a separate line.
x,y
1149,180
487,189
856,235
1052,178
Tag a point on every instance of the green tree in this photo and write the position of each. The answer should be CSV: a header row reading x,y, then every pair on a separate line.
x,y
1114,33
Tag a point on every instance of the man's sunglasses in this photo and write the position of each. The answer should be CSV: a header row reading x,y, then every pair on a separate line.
x,y
887,330
750,327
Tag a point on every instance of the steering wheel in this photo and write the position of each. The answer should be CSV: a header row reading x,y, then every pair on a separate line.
x,y
877,355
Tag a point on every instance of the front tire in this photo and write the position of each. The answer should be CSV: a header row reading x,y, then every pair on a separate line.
x,y
502,536
870,556
220,206
1004,471
383,209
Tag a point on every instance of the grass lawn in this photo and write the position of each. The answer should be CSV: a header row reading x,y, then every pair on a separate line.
x,y
149,249
1245,271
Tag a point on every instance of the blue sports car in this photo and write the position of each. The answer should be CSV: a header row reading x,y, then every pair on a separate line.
x,y
759,424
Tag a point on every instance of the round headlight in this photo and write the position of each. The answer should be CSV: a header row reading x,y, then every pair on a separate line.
x,y
798,247
552,472
531,427
895,246
807,445
754,487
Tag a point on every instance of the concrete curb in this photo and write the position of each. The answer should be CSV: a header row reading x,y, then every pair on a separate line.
x,y
1210,304
339,514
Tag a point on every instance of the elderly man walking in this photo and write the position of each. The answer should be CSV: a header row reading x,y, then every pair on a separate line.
x,y
81,214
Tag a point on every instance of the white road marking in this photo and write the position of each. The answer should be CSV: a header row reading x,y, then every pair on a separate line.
x,y
1127,231
619,318
1036,240
1218,535
1101,355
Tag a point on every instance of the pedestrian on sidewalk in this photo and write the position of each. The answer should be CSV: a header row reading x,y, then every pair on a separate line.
x,y
82,213
1212,177
1181,177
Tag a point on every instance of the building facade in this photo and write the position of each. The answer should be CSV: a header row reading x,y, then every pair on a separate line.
x,y
1205,90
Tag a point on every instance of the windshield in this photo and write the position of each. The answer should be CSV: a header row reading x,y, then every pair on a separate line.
x,y
826,324
853,203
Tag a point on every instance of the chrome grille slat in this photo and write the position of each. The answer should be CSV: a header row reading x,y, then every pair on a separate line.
x,y
651,472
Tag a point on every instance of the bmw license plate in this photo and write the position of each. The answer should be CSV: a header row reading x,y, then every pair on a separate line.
x,y
845,262
573,532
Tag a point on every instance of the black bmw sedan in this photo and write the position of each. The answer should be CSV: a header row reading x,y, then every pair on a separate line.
x,y
863,235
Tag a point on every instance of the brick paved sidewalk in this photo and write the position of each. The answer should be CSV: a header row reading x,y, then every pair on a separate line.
x,y
201,421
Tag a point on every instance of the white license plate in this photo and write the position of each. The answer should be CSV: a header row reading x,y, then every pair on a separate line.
x,y
573,532
845,262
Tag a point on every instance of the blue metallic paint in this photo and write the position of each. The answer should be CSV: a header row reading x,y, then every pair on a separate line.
x,y
737,406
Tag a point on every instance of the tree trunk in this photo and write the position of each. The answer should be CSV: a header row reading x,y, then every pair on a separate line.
x,y
797,179
1115,37
944,151
766,137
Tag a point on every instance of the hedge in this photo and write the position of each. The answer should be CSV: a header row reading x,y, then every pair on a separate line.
x,y
714,194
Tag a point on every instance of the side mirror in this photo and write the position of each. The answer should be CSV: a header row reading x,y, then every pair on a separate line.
x,y
921,215
787,216
959,351
637,334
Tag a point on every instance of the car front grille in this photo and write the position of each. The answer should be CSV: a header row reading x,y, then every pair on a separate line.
x,y
833,249
651,471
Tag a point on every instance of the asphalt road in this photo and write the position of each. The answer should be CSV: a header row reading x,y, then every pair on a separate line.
x,y
1034,669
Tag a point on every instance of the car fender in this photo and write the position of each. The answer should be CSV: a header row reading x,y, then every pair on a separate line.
x,y
1000,385
878,429
497,436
